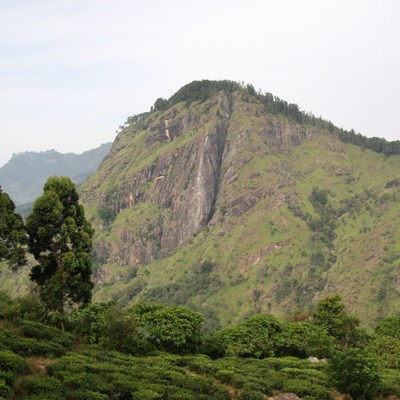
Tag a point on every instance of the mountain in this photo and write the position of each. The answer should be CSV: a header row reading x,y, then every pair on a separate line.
x,y
24,175
233,203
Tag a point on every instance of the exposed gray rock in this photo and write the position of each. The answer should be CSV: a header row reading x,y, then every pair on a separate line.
x,y
187,185
285,396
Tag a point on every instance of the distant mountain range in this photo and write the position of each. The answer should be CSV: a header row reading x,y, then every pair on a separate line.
x,y
24,175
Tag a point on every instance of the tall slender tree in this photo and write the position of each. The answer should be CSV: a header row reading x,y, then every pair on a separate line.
x,y
60,239
12,233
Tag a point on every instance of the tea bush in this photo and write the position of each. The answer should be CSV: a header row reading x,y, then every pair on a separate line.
x,y
5,390
13,363
37,330
29,346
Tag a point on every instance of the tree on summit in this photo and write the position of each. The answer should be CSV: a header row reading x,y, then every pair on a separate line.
x,y
160,104
60,239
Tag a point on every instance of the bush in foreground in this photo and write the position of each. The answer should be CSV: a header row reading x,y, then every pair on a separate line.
x,y
354,372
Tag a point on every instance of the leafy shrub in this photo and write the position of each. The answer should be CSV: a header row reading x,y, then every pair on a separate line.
x,y
89,322
31,308
41,385
173,328
5,390
218,392
282,362
302,339
107,214
7,376
225,375
178,394
40,331
49,396
147,394
390,383
319,197
247,394
12,362
393,183
120,332
262,387
257,336
302,388
354,372
389,327
28,346
7,305
199,364
86,394
386,349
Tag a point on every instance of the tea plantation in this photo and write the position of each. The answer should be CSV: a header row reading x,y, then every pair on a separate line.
x,y
153,352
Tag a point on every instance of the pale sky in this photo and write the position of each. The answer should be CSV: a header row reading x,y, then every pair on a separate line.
x,y
72,71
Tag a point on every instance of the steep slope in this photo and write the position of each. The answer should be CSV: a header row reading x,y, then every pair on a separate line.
x,y
24,175
230,209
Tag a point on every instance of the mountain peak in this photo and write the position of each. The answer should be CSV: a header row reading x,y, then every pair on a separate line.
x,y
213,200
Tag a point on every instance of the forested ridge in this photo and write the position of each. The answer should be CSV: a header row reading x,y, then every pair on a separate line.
x,y
23,176
205,89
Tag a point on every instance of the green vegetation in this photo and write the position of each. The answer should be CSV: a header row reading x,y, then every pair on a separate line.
x,y
331,315
205,89
60,239
355,373
174,328
295,213
389,327
154,352
12,232
24,175
256,337
202,288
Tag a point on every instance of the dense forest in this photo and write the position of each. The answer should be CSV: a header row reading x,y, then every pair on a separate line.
x,y
205,89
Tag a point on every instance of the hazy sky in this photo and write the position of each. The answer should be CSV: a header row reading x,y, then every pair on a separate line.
x,y
71,71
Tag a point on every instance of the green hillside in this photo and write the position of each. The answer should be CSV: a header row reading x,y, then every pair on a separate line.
x,y
24,175
234,203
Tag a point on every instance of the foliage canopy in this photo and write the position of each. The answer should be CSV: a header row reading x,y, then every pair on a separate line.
x,y
354,372
12,232
331,315
60,239
205,89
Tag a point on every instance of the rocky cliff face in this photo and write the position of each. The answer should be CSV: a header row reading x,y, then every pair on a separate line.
x,y
186,182
230,209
